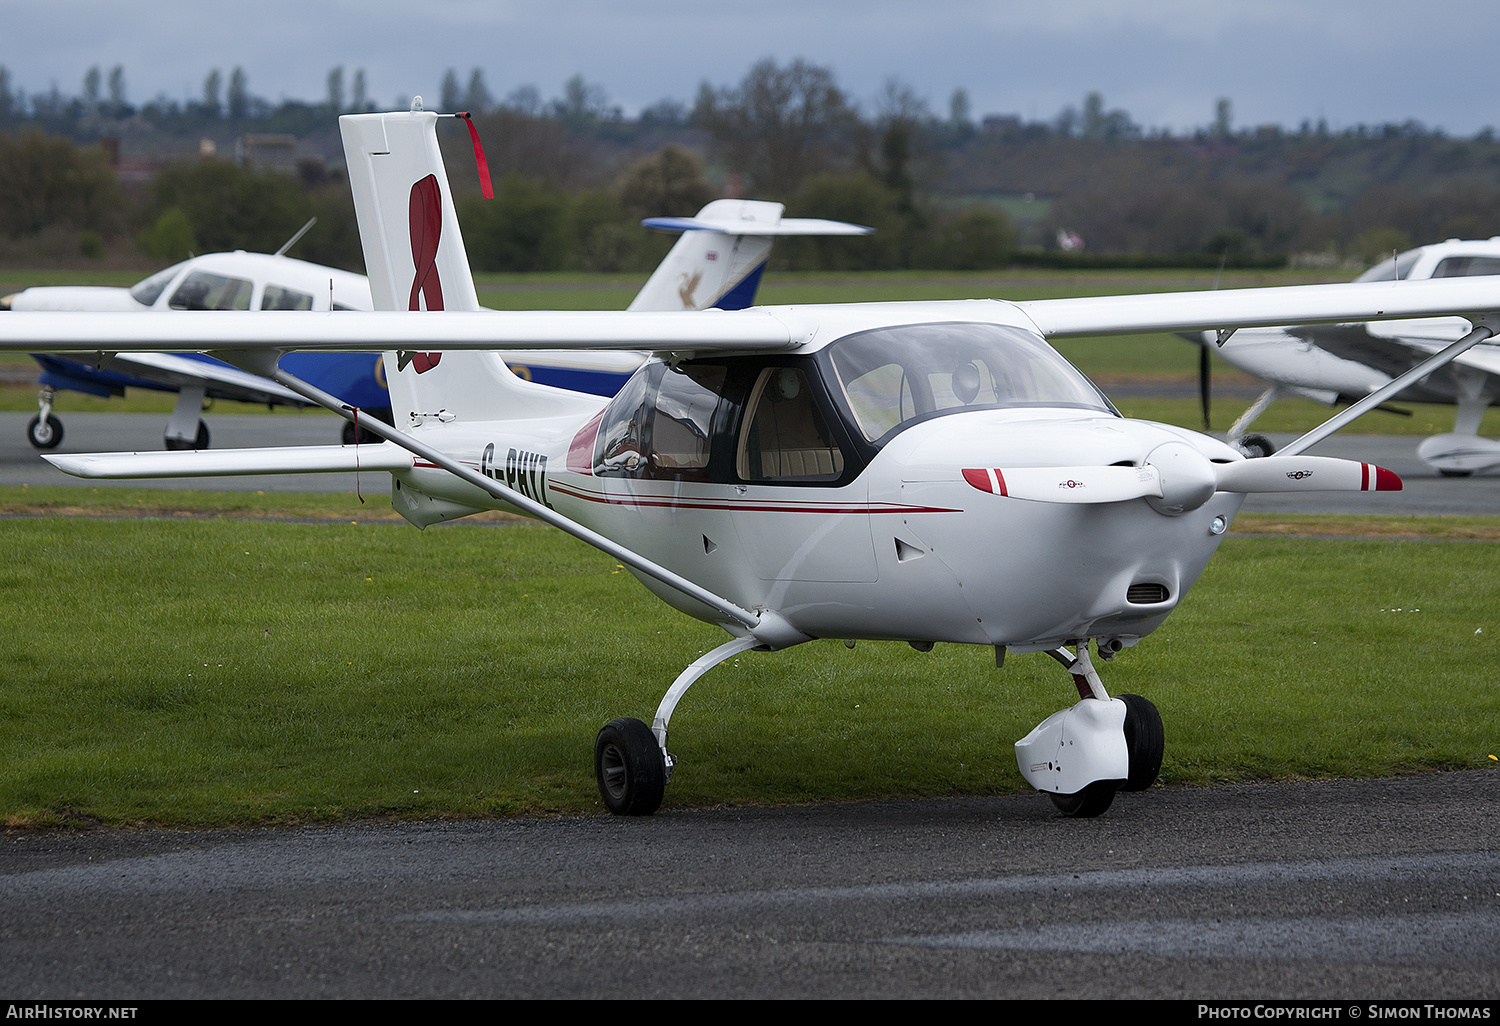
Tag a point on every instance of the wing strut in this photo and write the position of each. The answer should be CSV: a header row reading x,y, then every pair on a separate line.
x,y
1479,334
532,508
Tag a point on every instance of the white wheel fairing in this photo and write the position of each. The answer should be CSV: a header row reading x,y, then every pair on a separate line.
x,y
1076,747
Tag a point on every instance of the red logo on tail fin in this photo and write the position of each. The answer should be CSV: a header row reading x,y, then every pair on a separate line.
x,y
426,223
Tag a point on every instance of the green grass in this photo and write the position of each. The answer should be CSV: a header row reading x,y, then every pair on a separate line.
x,y
220,670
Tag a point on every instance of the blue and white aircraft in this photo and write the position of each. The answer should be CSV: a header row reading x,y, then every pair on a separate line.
x,y
717,263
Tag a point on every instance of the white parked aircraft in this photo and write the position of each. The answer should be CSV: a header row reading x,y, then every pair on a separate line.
x,y
926,472
1340,363
717,263
214,281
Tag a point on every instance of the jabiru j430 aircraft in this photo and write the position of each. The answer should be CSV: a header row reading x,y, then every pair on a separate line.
x,y
924,472
716,264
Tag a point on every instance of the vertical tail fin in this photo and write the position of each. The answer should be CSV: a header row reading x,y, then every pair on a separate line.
x,y
723,250
414,251
415,259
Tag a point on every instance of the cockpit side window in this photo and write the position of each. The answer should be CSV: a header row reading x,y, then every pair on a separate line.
x,y
784,437
621,449
682,418
1466,266
204,291
278,298
659,426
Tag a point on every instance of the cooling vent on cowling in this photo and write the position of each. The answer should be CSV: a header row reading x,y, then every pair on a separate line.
x,y
1146,594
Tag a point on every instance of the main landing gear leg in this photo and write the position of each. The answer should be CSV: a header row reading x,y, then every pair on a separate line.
x,y
185,428
45,431
1081,756
631,762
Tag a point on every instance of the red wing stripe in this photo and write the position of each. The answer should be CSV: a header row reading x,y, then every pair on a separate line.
x,y
1000,481
1364,477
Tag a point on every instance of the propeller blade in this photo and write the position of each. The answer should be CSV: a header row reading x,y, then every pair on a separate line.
x,y
1068,484
1305,474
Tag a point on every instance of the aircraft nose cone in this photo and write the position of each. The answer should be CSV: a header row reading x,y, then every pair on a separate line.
x,y
1187,478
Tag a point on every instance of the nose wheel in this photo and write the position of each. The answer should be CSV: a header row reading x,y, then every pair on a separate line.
x,y
1082,756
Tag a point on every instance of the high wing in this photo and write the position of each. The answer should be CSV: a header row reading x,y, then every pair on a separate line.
x,y
191,331
1393,354
222,381
1268,307
759,329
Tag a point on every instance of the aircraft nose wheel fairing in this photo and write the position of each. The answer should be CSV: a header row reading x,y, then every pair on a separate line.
x,y
1081,756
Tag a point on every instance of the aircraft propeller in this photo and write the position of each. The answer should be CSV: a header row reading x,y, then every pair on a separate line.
x,y
1176,478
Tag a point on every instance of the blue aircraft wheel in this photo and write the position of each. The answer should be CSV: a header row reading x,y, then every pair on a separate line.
x,y
44,436
628,765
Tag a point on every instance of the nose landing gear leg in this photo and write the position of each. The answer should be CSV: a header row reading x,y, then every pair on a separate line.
x,y
1082,755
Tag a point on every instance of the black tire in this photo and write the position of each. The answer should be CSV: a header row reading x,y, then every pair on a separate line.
x,y
49,436
1145,740
201,442
629,768
1445,473
1257,446
1093,800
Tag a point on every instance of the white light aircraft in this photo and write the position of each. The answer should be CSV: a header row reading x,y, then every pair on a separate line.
x,y
718,263
213,281
1340,363
924,472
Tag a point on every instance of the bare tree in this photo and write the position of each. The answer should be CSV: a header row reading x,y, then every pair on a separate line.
x,y
239,94
779,125
211,84
336,89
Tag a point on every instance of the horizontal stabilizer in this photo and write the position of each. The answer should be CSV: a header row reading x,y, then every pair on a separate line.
x,y
299,459
785,226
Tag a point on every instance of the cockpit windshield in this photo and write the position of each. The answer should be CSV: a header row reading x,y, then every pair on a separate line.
x,y
147,291
893,377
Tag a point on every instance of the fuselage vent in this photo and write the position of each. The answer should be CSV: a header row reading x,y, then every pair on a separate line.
x,y
1146,594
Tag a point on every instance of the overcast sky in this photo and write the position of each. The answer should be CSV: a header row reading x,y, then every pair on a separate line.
x,y
1165,62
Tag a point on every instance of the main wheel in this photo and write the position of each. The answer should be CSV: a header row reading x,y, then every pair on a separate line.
x,y
1093,800
628,765
44,436
201,442
1144,740
1257,446
1445,473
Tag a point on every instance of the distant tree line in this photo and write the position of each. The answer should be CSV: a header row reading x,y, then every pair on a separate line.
x,y
575,175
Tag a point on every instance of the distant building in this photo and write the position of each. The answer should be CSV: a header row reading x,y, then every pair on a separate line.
x,y
267,152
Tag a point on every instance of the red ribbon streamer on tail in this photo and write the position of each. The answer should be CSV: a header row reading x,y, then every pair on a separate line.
x,y
484,165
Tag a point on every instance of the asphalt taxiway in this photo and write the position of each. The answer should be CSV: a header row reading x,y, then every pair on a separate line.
x,y
1347,890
